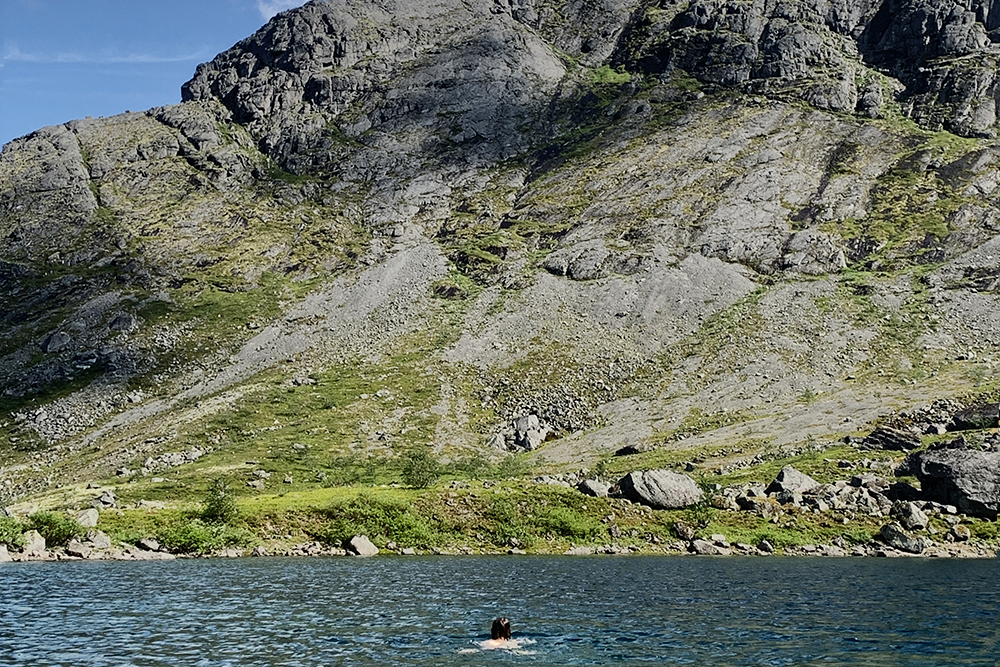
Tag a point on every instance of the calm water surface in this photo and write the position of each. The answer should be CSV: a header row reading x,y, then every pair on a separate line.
x,y
433,611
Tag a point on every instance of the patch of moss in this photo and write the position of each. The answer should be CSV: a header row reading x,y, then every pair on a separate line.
x,y
606,76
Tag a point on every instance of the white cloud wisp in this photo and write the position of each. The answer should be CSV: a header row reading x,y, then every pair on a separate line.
x,y
13,54
268,8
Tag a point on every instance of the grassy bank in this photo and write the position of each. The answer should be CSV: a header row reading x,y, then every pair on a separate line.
x,y
479,517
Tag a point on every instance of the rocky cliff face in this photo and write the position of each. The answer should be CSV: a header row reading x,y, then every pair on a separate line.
x,y
638,222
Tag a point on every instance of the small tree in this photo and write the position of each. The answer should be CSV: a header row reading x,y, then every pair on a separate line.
x,y
420,469
220,503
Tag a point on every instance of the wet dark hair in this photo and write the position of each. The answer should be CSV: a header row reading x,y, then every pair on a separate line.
x,y
500,629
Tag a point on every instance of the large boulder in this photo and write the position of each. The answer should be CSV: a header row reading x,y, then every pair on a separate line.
x,y
897,538
88,518
98,539
791,481
965,478
360,545
529,432
908,514
78,549
34,544
593,487
660,489
105,501
706,548
4,554
891,439
976,417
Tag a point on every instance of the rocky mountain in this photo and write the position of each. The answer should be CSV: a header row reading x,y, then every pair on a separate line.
x,y
738,230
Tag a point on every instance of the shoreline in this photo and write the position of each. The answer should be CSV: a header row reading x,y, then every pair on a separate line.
x,y
981,551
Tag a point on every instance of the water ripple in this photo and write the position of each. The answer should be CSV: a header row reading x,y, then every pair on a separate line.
x,y
434,611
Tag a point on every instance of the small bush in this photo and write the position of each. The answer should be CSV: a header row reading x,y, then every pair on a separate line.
x,y
420,469
985,530
569,523
196,536
605,75
57,529
381,520
220,503
505,520
510,467
11,532
476,466
355,469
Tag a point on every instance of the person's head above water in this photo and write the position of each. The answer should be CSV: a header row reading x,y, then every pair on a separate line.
x,y
500,629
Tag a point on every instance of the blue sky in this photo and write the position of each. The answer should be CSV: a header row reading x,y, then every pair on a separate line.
x,y
67,59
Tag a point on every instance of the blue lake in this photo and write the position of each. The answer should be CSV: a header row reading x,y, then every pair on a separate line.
x,y
567,611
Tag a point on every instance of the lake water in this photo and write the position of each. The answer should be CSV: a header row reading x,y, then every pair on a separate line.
x,y
434,610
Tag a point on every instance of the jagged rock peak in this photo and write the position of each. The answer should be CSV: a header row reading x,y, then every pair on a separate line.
x,y
367,64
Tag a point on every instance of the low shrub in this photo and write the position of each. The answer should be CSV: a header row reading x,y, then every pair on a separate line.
x,y
198,537
57,529
568,523
11,532
505,521
380,519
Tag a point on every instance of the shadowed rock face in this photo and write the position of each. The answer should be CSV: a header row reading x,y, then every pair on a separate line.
x,y
942,54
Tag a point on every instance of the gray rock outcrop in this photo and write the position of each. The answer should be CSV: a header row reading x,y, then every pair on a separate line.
x,y
706,548
578,551
891,439
791,481
897,538
87,518
78,549
660,489
593,487
148,543
529,432
976,417
360,545
106,500
4,554
98,539
965,478
34,544
909,515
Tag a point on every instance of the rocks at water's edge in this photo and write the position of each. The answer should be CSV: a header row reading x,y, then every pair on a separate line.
x,y
360,545
4,554
897,538
706,548
579,551
34,544
660,489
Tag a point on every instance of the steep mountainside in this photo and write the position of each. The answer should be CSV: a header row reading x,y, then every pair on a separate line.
x,y
724,230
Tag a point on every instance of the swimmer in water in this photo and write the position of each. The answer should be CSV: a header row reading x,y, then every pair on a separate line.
x,y
500,635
